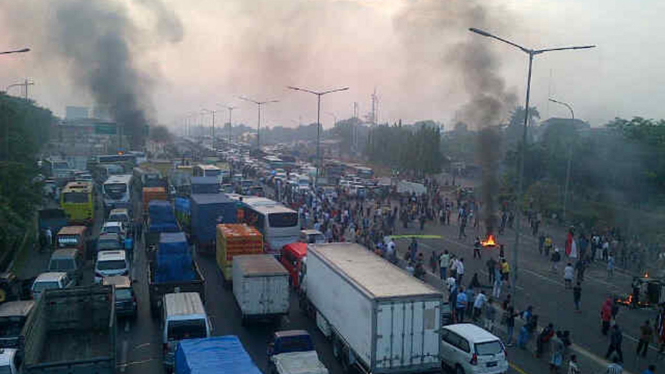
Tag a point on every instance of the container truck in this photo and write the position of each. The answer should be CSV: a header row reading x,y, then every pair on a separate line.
x,y
153,193
209,210
204,185
234,240
161,218
219,355
71,330
260,287
378,316
172,270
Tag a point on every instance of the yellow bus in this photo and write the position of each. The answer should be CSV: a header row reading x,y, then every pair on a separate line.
x,y
78,201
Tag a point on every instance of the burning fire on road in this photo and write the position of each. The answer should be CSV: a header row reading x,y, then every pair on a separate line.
x,y
489,242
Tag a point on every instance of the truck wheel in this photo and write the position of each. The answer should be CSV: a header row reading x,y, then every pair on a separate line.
x,y
459,370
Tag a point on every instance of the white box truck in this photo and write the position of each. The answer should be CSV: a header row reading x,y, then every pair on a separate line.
x,y
261,287
377,316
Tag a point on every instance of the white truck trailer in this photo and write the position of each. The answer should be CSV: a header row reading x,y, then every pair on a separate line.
x,y
260,286
377,316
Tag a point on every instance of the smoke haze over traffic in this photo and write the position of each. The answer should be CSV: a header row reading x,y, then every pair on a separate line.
x,y
418,55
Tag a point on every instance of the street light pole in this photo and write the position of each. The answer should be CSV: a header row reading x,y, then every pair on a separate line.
x,y
230,108
258,125
318,123
520,175
570,160
213,125
24,84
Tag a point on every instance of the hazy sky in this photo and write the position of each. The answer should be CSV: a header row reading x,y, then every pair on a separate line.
x,y
406,49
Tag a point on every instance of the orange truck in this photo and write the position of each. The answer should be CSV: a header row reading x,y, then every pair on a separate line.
x,y
236,239
153,193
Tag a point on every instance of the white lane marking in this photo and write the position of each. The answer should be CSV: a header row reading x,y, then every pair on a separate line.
x,y
127,326
123,356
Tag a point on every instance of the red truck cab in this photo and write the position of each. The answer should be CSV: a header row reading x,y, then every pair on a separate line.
x,y
292,259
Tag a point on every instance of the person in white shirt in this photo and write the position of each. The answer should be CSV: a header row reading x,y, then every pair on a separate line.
x,y
460,270
478,305
568,275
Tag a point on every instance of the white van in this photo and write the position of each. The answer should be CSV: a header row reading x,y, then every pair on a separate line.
x,y
110,263
467,348
184,318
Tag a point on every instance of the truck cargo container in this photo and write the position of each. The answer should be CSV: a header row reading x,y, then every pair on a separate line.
x,y
158,286
292,352
71,330
219,355
153,193
261,287
209,210
161,218
234,240
377,315
204,185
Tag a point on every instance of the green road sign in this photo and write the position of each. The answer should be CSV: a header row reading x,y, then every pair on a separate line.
x,y
106,128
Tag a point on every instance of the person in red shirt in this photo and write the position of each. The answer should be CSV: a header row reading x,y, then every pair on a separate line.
x,y
606,315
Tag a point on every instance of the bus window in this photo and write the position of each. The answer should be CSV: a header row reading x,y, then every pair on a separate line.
x,y
283,219
75,197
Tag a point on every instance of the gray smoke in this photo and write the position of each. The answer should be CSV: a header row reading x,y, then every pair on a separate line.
x,y
489,145
436,32
98,42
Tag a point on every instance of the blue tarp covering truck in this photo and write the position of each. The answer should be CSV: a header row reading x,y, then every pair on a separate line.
x,y
209,210
171,270
218,355
160,219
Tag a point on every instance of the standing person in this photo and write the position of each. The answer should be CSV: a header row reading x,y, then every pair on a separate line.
x,y
573,366
646,336
556,257
129,248
577,296
543,338
606,315
490,315
616,338
610,266
460,270
478,305
433,261
460,305
48,236
453,266
541,243
498,283
491,265
509,317
476,248
462,227
568,275
413,248
557,353
660,331
505,271
444,261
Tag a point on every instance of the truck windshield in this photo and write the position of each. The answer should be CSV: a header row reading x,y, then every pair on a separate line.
x,y
61,265
111,265
108,244
41,286
115,190
75,197
118,218
187,329
123,294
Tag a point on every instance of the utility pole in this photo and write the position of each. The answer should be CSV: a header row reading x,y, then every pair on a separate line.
x,y
25,85
520,174
258,125
318,123
570,158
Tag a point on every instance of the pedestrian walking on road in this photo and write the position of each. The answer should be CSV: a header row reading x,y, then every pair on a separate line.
x,y
433,261
568,275
460,305
460,270
606,315
490,315
498,283
646,336
543,338
577,296
573,366
616,338
556,257
478,305
509,318
557,353
453,266
444,261
476,248
614,367
491,265
610,266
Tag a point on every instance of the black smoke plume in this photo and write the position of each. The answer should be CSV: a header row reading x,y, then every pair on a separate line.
x,y
489,154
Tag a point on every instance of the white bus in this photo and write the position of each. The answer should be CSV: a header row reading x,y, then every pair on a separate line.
x,y
117,192
202,170
278,224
